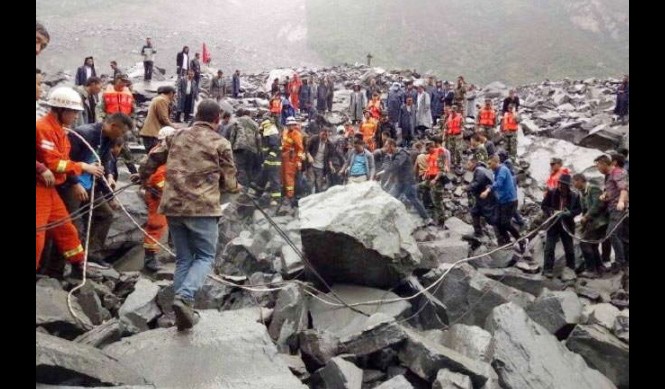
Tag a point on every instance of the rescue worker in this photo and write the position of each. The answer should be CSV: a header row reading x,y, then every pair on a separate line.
x,y
275,108
156,224
478,149
52,149
375,107
454,135
246,144
556,170
294,91
272,163
509,124
293,153
595,219
117,98
368,129
486,120
432,184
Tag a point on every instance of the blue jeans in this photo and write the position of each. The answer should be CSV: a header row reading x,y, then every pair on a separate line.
x,y
409,192
195,240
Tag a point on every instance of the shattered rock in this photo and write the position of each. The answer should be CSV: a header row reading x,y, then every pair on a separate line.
x,y
446,379
438,252
526,355
381,331
289,316
53,314
340,374
342,321
92,305
602,351
140,308
621,326
425,359
220,348
365,240
529,283
397,382
102,335
63,362
469,296
558,312
317,347
604,314
470,341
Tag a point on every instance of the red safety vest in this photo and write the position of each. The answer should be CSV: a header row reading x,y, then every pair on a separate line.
x,y
487,117
454,125
276,106
509,122
433,162
115,101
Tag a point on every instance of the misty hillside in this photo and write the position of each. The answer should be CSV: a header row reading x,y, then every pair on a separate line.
x,y
514,41
517,41
250,35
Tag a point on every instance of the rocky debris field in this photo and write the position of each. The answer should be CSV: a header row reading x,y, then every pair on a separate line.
x,y
494,322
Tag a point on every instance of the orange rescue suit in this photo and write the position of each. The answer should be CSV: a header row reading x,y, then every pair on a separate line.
x,y
454,124
374,108
156,221
368,128
115,101
487,117
53,151
276,106
509,123
292,155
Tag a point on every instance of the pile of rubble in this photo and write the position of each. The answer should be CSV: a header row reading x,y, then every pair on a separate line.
x,y
485,324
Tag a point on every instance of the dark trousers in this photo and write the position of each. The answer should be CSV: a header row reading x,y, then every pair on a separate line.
x,y
245,162
271,175
504,226
147,70
590,251
619,238
188,107
409,192
149,142
555,233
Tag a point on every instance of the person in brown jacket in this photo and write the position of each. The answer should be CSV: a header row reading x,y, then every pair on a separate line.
x,y
158,116
199,166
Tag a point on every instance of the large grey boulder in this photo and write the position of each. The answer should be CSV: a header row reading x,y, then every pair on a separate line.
x,y
602,351
559,312
364,239
227,349
53,314
441,251
344,322
604,315
469,296
604,137
140,307
526,355
63,362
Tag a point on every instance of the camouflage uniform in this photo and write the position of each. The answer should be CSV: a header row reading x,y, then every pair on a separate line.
x,y
454,145
480,153
198,168
511,144
435,191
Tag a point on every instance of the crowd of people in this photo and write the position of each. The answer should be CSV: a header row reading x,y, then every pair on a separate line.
x,y
412,137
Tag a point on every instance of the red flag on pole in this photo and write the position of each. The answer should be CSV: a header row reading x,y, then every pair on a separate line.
x,y
206,54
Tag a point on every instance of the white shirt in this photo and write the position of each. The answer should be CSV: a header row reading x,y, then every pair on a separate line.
x,y
185,61
88,72
188,90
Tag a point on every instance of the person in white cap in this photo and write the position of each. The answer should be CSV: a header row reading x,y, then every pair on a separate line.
x,y
53,151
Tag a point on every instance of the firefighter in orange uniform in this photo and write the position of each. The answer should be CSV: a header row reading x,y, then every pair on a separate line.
x,y
509,125
292,156
367,129
53,151
454,136
486,120
156,225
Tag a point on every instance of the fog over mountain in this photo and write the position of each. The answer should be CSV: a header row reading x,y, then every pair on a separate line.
x,y
514,41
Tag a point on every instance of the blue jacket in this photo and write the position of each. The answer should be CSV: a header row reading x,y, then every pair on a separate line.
x,y
504,187
79,152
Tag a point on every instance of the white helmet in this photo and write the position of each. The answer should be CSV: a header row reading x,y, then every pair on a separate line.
x,y
291,120
165,132
65,97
